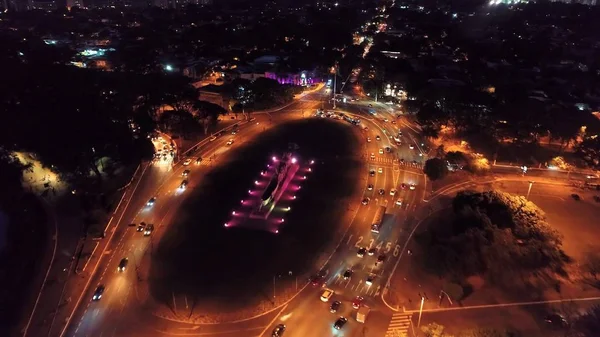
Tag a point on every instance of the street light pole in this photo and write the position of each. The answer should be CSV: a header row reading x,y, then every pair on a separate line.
x,y
334,84
273,287
420,311
529,189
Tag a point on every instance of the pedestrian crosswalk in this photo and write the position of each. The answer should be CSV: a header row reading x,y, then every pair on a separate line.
x,y
385,160
399,325
382,160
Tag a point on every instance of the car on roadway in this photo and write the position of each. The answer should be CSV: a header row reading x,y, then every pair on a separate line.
x,y
386,120
278,331
372,251
317,280
370,105
370,187
98,292
123,265
365,201
381,191
151,202
148,230
410,146
412,186
339,324
230,142
388,149
393,192
403,186
380,259
380,170
370,279
187,162
372,156
596,198
183,185
377,137
361,252
575,197
233,132
141,227
393,122
368,139
556,320
397,140
399,202
380,151
347,274
357,302
335,306
185,173
372,173
326,295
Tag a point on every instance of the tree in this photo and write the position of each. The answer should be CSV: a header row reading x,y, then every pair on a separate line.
x,y
208,113
589,151
588,324
485,332
434,330
435,168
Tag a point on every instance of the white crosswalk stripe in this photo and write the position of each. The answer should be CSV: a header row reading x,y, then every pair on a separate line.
x,y
399,325
382,160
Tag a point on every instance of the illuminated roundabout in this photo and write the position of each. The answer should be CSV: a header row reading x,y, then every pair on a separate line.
x,y
257,219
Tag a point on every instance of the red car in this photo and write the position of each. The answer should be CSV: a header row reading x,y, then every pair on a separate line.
x,y
317,281
357,302
403,186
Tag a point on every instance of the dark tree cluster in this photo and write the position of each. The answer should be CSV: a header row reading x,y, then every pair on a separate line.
x,y
72,118
502,237
260,94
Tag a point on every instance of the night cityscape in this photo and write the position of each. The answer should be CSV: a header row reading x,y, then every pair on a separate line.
x,y
247,168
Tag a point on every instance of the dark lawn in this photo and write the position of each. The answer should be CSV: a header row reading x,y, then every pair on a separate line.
x,y
233,267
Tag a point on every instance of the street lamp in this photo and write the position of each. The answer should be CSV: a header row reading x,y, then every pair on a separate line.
x,y
529,189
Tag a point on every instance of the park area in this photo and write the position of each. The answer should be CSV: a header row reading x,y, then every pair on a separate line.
x,y
494,248
223,269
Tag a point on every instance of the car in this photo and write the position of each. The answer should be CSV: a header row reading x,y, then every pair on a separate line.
x,y
149,229
123,264
198,161
370,187
98,292
141,227
233,132
316,280
380,170
380,258
183,185
370,105
278,331
372,173
132,225
335,306
151,202
368,139
403,186
556,320
393,192
380,151
339,324
377,137
230,141
596,198
187,162
370,279
357,302
365,201
575,197
372,156
388,149
381,191
386,120
326,295
410,146
185,173
372,251
361,252
412,186
399,202
347,274
393,122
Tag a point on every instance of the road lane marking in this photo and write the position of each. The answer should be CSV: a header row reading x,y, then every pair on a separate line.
x,y
273,321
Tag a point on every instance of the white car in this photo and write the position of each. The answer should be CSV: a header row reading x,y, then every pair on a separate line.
x,y
380,170
399,202
412,186
372,156
410,146
368,139
230,142
393,192
326,295
380,151
386,120
187,162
